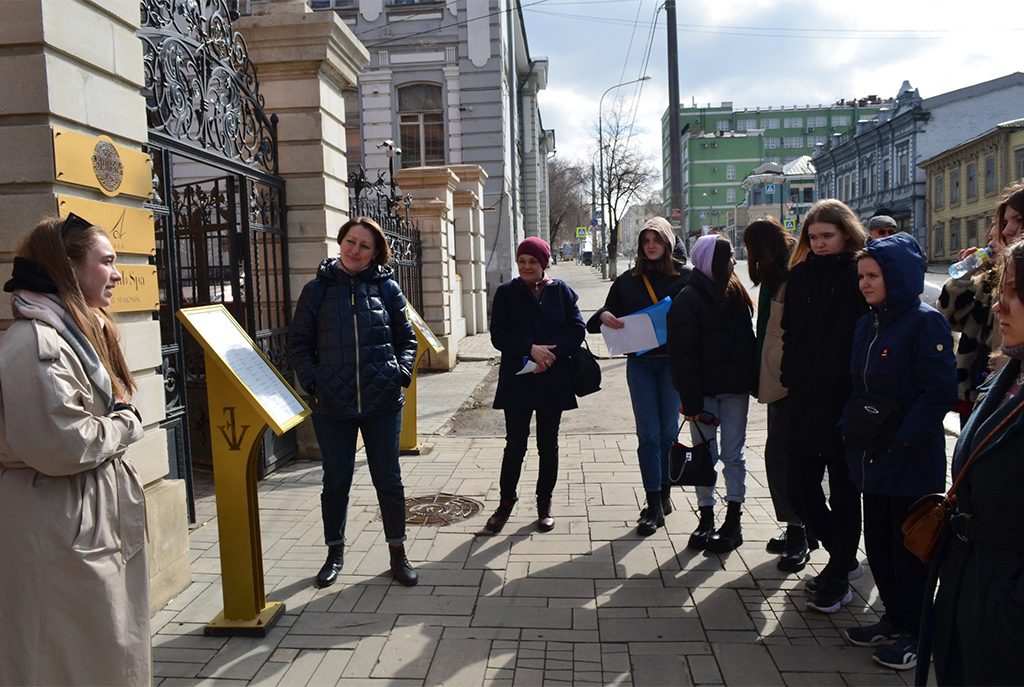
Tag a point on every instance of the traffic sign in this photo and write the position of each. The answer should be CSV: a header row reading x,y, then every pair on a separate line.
x,y
581,232
703,214
789,224
770,189
593,222
790,205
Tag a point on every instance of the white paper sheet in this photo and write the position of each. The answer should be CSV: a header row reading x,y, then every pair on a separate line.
x,y
528,367
637,335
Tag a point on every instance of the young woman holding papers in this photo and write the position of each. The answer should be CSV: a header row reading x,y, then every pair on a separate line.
x,y
655,402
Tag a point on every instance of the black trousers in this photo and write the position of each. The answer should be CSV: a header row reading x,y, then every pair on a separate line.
x,y
517,434
837,523
899,575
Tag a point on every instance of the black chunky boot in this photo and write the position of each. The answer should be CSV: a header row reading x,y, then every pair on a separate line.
x,y
666,499
797,552
652,517
730,534
501,516
700,537
545,520
328,574
400,566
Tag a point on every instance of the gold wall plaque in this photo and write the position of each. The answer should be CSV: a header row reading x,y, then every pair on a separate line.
x,y
85,160
130,230
138,289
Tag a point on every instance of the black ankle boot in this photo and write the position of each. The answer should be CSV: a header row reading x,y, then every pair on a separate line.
x,y
797,553
400,566
501,516
328,574
666,499
545,520
729,535
700,537
652,517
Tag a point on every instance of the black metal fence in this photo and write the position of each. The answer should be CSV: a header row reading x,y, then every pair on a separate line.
x,y
379,200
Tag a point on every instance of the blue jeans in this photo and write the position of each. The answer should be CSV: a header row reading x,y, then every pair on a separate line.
x,y
337,439
731,410
656,411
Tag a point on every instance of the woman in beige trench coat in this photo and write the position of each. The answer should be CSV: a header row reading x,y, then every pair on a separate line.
x,y
74,588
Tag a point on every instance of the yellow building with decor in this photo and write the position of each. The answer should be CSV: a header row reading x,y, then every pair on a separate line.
x,y
965,184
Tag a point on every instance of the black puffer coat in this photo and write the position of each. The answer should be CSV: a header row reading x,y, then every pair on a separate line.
x,y
355,351
823,304
709,355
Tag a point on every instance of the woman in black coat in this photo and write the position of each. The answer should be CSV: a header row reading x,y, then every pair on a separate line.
x,y
712,355
823,303
979,609
353,348
536,325
655,401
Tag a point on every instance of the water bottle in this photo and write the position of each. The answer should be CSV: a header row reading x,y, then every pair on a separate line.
x,y
973,261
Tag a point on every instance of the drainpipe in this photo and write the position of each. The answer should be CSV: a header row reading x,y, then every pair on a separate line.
x,y
514,124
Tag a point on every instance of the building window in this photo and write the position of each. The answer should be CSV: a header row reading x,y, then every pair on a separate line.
x,y
864,188
770,123
723,125
808,195
937,243
871,181
353,130
730,172
903,163
758,198
744,124
421,125
954,187
841,120
1018,157
938,190
793,122
954,236
792,141
972,232
730,195
815,140
972,181
771,142
817,121
791,158
990,175
774,159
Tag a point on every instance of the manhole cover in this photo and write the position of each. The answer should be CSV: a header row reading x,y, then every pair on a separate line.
x,y
440,509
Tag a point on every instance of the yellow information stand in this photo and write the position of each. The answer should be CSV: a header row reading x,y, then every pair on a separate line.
x,y
246,395
409,442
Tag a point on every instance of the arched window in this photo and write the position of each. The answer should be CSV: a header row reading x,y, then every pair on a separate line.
x,y
421,125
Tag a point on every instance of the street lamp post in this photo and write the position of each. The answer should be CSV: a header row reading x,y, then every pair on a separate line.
x,y
600,168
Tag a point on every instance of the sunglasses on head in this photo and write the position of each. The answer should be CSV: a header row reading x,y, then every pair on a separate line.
x,y
74,220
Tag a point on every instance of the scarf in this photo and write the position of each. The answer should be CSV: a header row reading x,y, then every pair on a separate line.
x,y
703,253
49,308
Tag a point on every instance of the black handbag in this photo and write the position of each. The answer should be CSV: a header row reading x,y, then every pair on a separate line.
x,y
584,370
872,422
691,465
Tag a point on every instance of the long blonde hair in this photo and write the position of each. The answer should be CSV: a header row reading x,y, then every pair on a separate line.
x,y
54,253
830,211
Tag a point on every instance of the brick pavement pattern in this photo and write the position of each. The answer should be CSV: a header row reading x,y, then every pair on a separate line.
x,y
588,603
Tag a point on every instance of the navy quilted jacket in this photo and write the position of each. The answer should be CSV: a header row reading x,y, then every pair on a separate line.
x,y
353,353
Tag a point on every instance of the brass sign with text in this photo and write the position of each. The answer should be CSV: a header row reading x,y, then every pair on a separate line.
x,y
98,163
130,229
138,289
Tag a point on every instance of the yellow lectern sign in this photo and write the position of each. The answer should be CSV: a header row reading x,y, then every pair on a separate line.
x,y
254,375
130,229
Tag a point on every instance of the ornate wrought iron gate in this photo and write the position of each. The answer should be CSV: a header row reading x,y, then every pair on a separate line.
x,y
219,207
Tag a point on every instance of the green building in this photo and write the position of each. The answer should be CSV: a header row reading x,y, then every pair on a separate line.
x,y
722,145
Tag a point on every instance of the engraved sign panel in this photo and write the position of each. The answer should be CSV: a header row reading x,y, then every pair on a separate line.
x,y
221,335
138,289
76,161
130,229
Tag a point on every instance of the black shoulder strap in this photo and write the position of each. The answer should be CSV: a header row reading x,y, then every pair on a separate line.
x,y
317,295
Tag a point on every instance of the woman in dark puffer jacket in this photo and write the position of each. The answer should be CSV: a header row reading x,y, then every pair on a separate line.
x,y
713,357
353,349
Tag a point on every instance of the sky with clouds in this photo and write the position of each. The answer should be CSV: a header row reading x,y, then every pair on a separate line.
x,y
758,53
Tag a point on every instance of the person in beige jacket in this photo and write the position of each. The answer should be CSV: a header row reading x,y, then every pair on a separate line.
x,y
74,584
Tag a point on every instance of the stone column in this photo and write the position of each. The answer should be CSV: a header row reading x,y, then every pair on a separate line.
x,y
432,190
469,245
79,67
305,60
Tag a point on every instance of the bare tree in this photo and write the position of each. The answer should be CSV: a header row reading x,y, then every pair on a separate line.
x,y
629,174
568,191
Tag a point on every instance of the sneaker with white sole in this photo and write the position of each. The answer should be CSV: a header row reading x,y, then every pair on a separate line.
x,y
818,581
881,633
900,655
830,598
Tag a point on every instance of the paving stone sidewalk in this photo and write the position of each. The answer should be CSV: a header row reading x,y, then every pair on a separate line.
x,y
588,603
